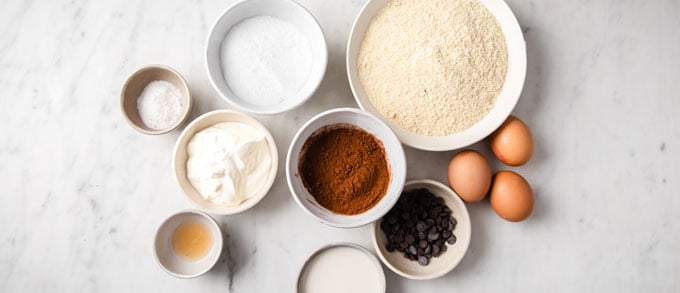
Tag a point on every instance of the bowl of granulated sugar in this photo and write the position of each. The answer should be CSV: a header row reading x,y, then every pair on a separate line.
x,y
266,56
443,74
155,100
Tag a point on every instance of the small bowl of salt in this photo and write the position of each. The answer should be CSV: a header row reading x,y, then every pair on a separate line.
x,y
155,100
266,56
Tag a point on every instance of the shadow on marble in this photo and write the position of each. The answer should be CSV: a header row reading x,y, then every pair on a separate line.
x,y
395,283
532,109
531,105
223,268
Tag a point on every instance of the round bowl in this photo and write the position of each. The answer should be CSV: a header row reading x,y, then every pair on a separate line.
x,y
505,102
180,161
134,86
316,256
286,10
369,123
441,264
176,265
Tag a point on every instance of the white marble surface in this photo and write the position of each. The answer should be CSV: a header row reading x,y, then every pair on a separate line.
x,y
82,192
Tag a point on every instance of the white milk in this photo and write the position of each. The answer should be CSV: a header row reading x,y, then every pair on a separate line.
x,y
342,269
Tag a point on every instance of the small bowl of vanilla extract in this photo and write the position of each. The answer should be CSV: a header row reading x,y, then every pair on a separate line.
x,y
188,244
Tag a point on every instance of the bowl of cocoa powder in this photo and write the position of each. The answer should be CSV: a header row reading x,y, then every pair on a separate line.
x,y
346,168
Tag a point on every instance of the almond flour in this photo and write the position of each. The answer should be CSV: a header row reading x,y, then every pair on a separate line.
x,y
433,67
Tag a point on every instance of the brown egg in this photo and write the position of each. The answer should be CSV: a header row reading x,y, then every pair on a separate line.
x,y
512,143
511,196
470,175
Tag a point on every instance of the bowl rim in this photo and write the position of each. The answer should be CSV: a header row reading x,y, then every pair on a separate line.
x,y
375,228
185,88
512,85
213,225
296,140
251,201
316,81
352,245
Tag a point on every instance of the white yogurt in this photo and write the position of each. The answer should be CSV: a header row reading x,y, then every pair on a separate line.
x,y
342,269
228,162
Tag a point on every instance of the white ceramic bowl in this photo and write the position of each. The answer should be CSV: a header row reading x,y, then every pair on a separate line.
x,y
441,264
286,10
505,102
369,123
174,264
180,161
304,271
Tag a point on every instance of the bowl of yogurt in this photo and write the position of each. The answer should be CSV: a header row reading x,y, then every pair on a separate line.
x,y
225,162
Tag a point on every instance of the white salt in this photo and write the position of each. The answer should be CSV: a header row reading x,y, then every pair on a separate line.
x,y
160,105
265,60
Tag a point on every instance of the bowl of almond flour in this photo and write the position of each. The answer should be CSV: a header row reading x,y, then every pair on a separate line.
x,y
443,74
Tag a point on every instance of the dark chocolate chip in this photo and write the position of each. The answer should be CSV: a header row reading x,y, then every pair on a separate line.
x,y
446,234
453,221
452,239
421,226
412,249
385,226
423,261
422,243
435,249
392,220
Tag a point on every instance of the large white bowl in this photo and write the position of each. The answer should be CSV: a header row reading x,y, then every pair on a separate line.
x,y
286,10
180,161
505,102
441,264
395,159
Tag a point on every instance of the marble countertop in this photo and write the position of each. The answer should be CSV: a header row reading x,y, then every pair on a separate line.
x,y
83,193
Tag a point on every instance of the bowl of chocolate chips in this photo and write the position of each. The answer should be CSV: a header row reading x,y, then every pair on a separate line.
x,y
427,232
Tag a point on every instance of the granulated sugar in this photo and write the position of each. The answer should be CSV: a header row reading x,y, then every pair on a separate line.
x,y
265,60
433,67
160,105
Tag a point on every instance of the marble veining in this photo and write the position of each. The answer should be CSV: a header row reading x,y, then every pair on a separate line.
x,y
82,192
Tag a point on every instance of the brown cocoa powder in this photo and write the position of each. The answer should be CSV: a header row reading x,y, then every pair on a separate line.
x,y
345,168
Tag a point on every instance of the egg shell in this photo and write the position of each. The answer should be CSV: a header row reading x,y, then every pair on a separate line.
x,y
512,142
470,175
511,196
